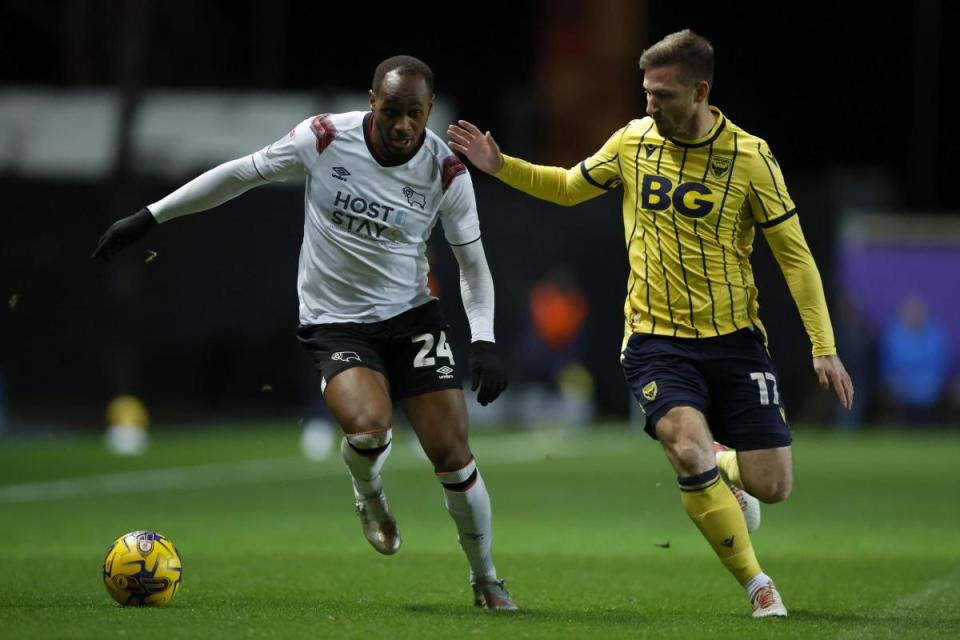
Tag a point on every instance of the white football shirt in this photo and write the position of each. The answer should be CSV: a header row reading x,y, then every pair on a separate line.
x,y
366,224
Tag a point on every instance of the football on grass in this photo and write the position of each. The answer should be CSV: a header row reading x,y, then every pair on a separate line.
x,y
142,568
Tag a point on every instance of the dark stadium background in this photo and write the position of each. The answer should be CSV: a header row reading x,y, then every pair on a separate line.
x,y
852,98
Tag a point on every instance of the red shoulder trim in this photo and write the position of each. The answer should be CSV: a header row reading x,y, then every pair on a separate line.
x,y
324,130
452,167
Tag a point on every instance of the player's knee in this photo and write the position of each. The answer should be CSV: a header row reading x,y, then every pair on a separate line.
x,y
687,453
685,450
451,458
366,440
774,491
366,422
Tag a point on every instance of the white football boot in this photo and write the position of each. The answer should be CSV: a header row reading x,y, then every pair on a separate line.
x,y
767,603
378,524
749,505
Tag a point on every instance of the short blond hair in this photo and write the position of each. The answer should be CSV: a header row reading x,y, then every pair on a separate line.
x,y
691,52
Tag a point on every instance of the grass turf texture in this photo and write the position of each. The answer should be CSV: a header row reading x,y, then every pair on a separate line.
x,y
867,546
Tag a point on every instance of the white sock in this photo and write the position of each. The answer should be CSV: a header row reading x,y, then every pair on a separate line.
x,y
470,510
755,583
365,469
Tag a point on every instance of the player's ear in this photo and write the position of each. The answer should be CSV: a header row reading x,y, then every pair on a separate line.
x,y
371,99
702,91
430,105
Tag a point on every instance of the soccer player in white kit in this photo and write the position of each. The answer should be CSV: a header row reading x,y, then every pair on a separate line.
x,y
376,184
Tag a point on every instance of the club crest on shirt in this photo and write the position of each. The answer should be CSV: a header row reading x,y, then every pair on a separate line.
x,y
720,165
650,390
415,198
345,356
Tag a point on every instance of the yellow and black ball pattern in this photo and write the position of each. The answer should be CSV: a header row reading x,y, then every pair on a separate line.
x,y
142,568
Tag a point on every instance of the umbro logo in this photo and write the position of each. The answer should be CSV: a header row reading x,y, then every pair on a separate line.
x,y
340,173
445,372
728,542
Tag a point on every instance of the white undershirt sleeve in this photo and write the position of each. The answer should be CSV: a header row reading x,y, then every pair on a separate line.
x,y
476,289
222,183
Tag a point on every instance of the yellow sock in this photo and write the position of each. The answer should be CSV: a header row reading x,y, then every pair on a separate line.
x,y
729,467
715,511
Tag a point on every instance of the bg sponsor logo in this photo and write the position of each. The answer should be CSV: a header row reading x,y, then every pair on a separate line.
x,y
691,199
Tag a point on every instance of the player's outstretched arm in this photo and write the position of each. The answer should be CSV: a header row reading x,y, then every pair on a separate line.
x,y
123,232
480,148
591,178
831,373
222,183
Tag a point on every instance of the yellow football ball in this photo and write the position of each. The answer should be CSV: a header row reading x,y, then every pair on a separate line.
x,y
142,568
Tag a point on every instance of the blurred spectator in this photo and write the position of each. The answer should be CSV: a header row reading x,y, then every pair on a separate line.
x,y
915,360
857,342
559,388
554,338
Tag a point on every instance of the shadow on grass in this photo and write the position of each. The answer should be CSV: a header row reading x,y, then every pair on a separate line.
x,y
589,616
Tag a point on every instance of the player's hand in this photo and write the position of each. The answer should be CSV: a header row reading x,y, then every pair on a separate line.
x,y
123,232
480,148
489,372
830,373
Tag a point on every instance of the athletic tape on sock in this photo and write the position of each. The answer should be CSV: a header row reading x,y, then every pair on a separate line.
x,y
460,476
370,440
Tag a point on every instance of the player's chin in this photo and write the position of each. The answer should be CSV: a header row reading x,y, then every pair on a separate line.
x,y
401,145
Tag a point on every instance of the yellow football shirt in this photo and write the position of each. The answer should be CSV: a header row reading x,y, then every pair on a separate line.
x,y
690,208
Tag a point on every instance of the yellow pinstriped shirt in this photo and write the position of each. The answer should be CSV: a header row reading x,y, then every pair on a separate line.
x,y
690,208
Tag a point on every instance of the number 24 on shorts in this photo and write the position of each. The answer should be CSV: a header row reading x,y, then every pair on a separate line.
x,y
423,357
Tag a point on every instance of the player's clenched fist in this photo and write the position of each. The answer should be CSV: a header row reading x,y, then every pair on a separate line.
x,y
489,373
123,232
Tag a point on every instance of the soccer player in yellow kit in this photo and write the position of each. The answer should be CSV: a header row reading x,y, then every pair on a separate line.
x,y
695,186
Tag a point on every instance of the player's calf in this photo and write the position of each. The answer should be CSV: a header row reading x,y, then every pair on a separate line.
x,y
468,503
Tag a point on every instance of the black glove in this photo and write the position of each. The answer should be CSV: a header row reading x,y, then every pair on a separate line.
x,y
489,373
123,232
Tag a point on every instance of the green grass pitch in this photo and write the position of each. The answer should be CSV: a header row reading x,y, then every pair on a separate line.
x,y
867,547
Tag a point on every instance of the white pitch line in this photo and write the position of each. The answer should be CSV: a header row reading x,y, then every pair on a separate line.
x,y
239,473
904,604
